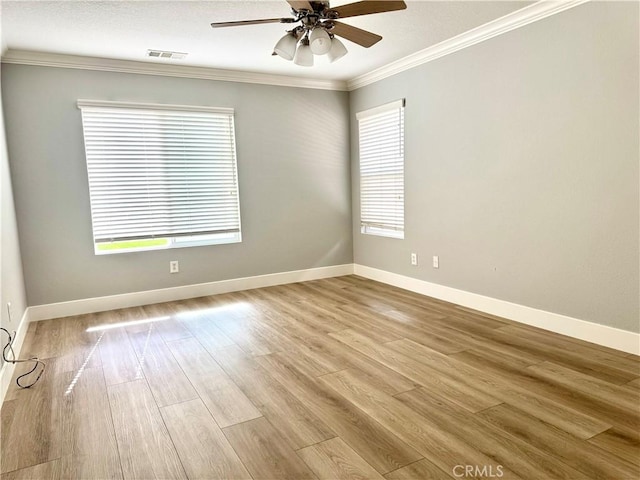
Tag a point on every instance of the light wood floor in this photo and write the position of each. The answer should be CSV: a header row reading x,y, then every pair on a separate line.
x,y
330,379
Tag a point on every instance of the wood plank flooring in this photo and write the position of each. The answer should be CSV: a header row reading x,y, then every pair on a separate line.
x,y
342,378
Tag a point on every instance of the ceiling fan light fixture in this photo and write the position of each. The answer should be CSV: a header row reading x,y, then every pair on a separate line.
x,y
337,51
286,46
320,41
318,24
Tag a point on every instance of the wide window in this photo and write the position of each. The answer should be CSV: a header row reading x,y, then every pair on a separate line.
x,y
160,176
381,140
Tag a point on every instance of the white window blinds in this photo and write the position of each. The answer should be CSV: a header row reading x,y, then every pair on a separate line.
x,y
160,170
381,140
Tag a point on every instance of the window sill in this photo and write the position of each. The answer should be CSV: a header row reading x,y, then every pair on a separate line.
x,y
177,242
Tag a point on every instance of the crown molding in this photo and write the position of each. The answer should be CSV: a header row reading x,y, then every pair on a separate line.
x,y
25,57
519,18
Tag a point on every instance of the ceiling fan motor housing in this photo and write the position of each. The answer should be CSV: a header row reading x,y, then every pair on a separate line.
x,y
320,6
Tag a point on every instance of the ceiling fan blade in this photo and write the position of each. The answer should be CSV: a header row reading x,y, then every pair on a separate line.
x,y
300,5
356,35
368,7
251,22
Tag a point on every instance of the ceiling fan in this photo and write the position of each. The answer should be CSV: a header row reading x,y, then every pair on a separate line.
x,y
318,26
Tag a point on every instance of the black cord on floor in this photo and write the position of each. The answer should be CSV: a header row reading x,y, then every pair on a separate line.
x,y
36,361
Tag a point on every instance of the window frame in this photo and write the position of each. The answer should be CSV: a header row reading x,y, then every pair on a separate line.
x,y
182,240
381,228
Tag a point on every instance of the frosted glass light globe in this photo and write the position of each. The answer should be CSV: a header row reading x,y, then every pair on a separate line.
x,y
304,56
338,50
286,46
319,41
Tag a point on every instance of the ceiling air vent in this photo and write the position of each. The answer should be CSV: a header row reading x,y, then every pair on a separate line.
x,y
166,54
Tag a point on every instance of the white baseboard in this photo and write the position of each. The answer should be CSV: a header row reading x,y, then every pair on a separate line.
x,y
591,332
8,368
135,299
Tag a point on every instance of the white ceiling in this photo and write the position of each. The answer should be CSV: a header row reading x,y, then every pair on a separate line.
x,y
124,30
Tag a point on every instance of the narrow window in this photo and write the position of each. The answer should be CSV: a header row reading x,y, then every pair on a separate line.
x,y
160,176
381,140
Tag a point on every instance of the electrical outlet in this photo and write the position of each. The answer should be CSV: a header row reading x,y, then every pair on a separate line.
x,y
174,266
414,259
436,261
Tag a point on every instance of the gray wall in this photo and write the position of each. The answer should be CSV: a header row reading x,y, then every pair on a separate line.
x,y
522,167
294,182
12,281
